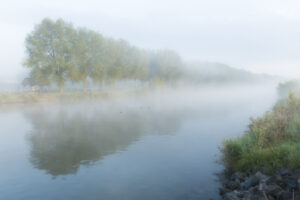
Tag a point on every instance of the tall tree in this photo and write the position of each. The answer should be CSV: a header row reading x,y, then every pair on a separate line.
x,y
169,64
117,51
87,54
57,53
49,49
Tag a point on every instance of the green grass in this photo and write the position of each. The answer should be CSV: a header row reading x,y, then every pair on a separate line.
x,y
272,141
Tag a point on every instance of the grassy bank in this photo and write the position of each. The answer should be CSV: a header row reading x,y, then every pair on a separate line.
x,y
35,97
272,141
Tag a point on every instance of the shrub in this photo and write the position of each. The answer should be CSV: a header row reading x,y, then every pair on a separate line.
x,y
272,141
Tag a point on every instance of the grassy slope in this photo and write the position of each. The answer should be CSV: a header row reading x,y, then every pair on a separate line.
x,y
272,141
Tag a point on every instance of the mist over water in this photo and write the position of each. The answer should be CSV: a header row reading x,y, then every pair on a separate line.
x,y
157,145
138,100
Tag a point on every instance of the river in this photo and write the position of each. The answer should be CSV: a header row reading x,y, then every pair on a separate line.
x,y
162,145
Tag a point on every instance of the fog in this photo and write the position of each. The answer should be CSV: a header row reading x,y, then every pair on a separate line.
x,y
134,99
156,145
259,36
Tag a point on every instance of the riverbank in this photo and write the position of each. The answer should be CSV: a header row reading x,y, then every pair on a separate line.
x,y
284,184
68,96
272,143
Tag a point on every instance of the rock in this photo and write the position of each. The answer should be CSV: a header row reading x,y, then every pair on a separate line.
x,y
270,197
248,196
285,196
261,176
253,196
251,181
273,190
231,196
284,172
267,180
224,190
238,176
284,185
290,182
261,186
240,194
254,189
297,196
296,173
278,178
232,185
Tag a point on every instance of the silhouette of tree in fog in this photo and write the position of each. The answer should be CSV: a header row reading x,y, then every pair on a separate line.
x,y
58,52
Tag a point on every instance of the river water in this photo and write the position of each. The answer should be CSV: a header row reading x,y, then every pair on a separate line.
x,y
159,145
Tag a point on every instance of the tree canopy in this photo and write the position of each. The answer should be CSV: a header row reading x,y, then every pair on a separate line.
x,y
58,52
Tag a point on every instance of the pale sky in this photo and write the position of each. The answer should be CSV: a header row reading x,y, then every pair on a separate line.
x,y
257,35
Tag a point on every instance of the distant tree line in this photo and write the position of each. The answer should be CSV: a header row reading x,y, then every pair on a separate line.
x,y
57,52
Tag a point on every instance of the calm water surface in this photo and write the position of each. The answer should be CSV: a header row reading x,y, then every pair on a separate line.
x,y
162,145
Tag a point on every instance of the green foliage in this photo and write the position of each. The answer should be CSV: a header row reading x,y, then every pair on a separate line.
x,y
49,48
58,52
86,56
272,141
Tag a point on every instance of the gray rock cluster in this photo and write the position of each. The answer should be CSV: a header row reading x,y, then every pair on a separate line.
x,y
283,185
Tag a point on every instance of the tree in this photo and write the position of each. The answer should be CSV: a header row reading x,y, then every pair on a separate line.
x,y
138,69
164,65
87,54
28,81
116,60
49,49
37,77
169,63
57,53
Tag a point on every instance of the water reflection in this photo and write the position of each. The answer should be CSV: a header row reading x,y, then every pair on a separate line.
x,y
62,139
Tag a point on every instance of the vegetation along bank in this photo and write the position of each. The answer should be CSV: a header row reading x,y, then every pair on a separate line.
x,y
264,162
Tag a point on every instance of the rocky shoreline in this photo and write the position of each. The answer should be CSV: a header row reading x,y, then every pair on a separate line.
x,y
284,184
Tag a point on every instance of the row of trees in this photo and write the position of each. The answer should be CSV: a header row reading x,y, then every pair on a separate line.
x,y
57,52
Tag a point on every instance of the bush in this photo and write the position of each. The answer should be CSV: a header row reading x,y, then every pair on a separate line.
x,y
272,141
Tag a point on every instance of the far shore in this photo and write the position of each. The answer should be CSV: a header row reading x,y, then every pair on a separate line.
x,y
67,96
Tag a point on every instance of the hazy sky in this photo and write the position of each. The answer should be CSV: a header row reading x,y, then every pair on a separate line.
x,y
258,35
